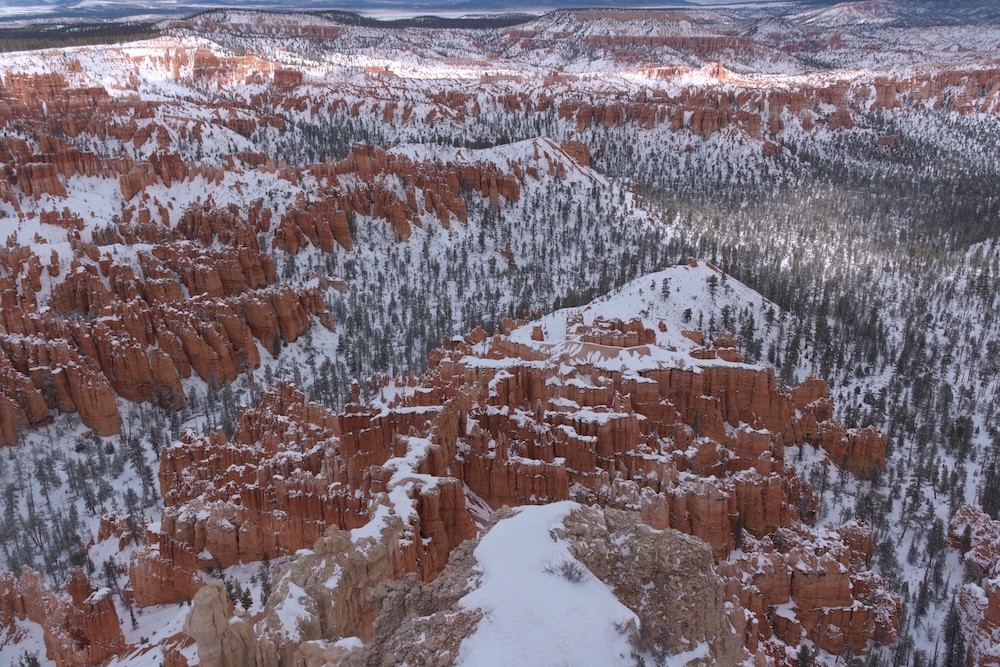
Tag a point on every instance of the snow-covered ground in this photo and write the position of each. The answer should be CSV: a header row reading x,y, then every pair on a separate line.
x,y
570,239
534,615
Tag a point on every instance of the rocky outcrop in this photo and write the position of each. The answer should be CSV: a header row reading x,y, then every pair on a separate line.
x,y
196,307
319,224
578,151
39,376
425,624
408,610
531,421
332,588
357,185
303,469
224,636
155,580
665,577
80,624
406,522
285,504
977,535
166,168
836,602
714,414
216,273
287,79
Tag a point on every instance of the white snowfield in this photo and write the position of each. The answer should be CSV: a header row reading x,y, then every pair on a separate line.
x,y
535,616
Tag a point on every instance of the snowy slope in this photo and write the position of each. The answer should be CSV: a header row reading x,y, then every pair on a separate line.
x,y
567,240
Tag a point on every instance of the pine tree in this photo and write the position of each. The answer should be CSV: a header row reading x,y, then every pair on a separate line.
x,y
954,654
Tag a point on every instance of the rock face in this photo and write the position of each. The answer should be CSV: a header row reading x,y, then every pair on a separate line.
x,y
155,580
978,535
333,585
408,610
340,590
159,292
194,307
836,602
81,625
527,419
357,186
223,640
303,469
665,577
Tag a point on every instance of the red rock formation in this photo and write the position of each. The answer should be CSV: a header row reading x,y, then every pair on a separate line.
x,y
978,536
216,272
287,79
38,376
836,604
141,335
578,152
704,111
155,580
320,224
291,470
435,189
81,625
698,450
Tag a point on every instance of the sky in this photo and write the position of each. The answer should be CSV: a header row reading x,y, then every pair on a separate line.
x,y
99,9
23,9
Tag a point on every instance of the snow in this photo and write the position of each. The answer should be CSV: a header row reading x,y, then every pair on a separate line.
x,y
20,639
337,74
534,616
689,287
154,624
349,642
291,610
